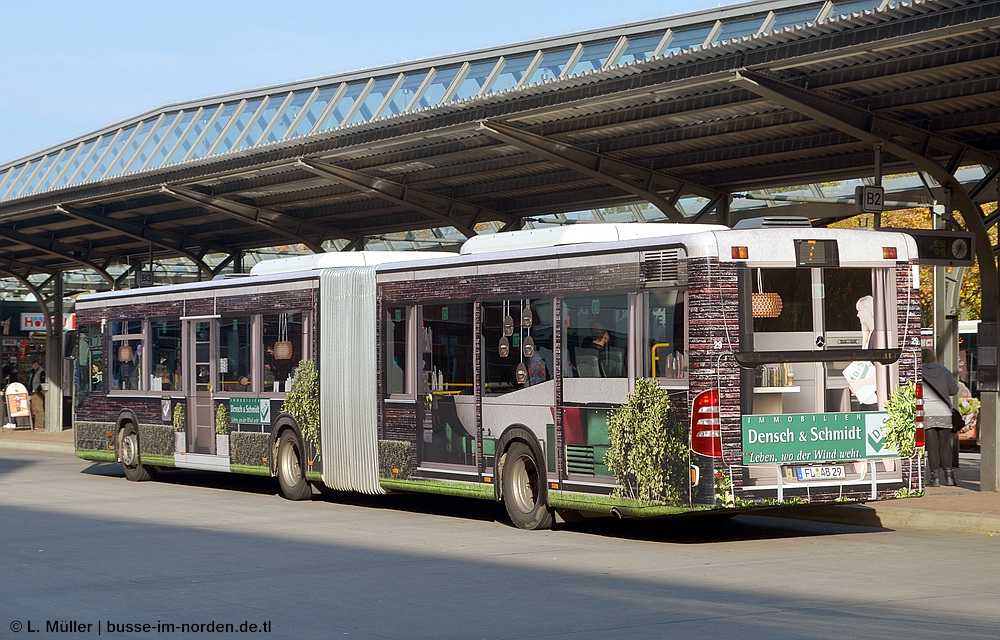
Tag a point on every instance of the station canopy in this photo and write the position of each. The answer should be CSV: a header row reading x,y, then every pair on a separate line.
x,y
664,120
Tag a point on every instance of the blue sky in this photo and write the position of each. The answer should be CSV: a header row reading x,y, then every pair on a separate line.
x,y
73,67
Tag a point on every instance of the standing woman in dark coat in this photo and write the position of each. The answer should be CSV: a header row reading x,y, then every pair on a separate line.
x,y
939,385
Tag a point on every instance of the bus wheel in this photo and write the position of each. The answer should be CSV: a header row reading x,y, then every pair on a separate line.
x,y
291,477
522,490
128,452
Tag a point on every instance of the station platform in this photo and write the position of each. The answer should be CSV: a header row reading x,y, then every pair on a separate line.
x,y
962,508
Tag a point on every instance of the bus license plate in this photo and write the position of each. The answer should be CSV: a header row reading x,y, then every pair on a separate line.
x,y
820,473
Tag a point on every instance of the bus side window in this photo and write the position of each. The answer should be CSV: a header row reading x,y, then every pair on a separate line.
x,y
447,348
126,354
395,351
283,335
595,336
165,340
516,344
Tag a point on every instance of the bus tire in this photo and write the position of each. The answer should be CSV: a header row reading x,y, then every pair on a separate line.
x,y
522,489
128,453
290,470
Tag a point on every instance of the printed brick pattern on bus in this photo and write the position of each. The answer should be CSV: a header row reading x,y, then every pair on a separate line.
x,y
401,424
908,319
526,284
713,319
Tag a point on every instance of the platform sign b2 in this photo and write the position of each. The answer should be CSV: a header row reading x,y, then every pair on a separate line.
x,y
869,199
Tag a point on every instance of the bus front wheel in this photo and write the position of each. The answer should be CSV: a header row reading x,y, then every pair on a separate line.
x,y
522,489
128,453
291,477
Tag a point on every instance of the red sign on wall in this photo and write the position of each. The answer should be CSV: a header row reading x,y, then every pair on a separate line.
x,y
36,322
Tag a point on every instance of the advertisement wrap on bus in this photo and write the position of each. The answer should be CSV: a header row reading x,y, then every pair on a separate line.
x,y
636,370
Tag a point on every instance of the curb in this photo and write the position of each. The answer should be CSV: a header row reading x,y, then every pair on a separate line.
x,y
41,447
887,517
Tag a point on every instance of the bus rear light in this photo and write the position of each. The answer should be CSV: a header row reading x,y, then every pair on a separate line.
x,y
889,253
918,416
706,428
740,253
695,475
918,409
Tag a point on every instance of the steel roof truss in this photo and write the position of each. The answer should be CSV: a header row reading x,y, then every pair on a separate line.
x,y
438,207
7,265
65,250
608,170
164,239
308,234
874,128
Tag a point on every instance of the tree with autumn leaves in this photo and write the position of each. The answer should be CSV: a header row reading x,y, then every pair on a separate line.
x,y
970,294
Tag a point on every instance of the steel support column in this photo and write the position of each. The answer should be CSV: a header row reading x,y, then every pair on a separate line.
x,y
54,359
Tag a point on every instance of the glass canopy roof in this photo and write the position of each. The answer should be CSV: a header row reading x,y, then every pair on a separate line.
x,y
217,126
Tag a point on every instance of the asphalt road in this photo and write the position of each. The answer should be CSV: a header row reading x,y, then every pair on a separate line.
x,y
85,553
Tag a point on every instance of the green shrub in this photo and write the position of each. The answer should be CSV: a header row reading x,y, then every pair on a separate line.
x,y
901,427
302,402
179,425
649,447
222,419
724,490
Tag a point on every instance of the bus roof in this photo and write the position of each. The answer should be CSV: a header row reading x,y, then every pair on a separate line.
x,y
332,260
578,234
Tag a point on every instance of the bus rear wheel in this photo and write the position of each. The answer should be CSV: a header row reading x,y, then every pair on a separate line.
x,y
291,477
522,489
128,453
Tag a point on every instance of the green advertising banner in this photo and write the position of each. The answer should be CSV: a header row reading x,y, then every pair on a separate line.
x,y
814,437
250,410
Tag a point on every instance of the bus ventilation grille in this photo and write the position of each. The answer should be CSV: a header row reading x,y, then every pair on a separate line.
x,y
580,459
664,267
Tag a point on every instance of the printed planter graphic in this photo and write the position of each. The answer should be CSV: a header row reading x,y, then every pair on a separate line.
x,y
222,446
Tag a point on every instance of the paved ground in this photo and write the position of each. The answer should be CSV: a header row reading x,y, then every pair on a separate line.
x,y
962,508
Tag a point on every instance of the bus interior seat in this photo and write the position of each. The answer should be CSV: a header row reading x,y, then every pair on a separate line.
x,y
612,362
586,363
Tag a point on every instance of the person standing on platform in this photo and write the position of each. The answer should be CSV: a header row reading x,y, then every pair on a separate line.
x,y
939,385
37,392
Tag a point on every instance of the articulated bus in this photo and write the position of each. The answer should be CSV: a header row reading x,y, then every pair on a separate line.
x,y
492,373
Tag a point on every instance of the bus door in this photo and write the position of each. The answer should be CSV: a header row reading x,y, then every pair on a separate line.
x,y
202,343
447,412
